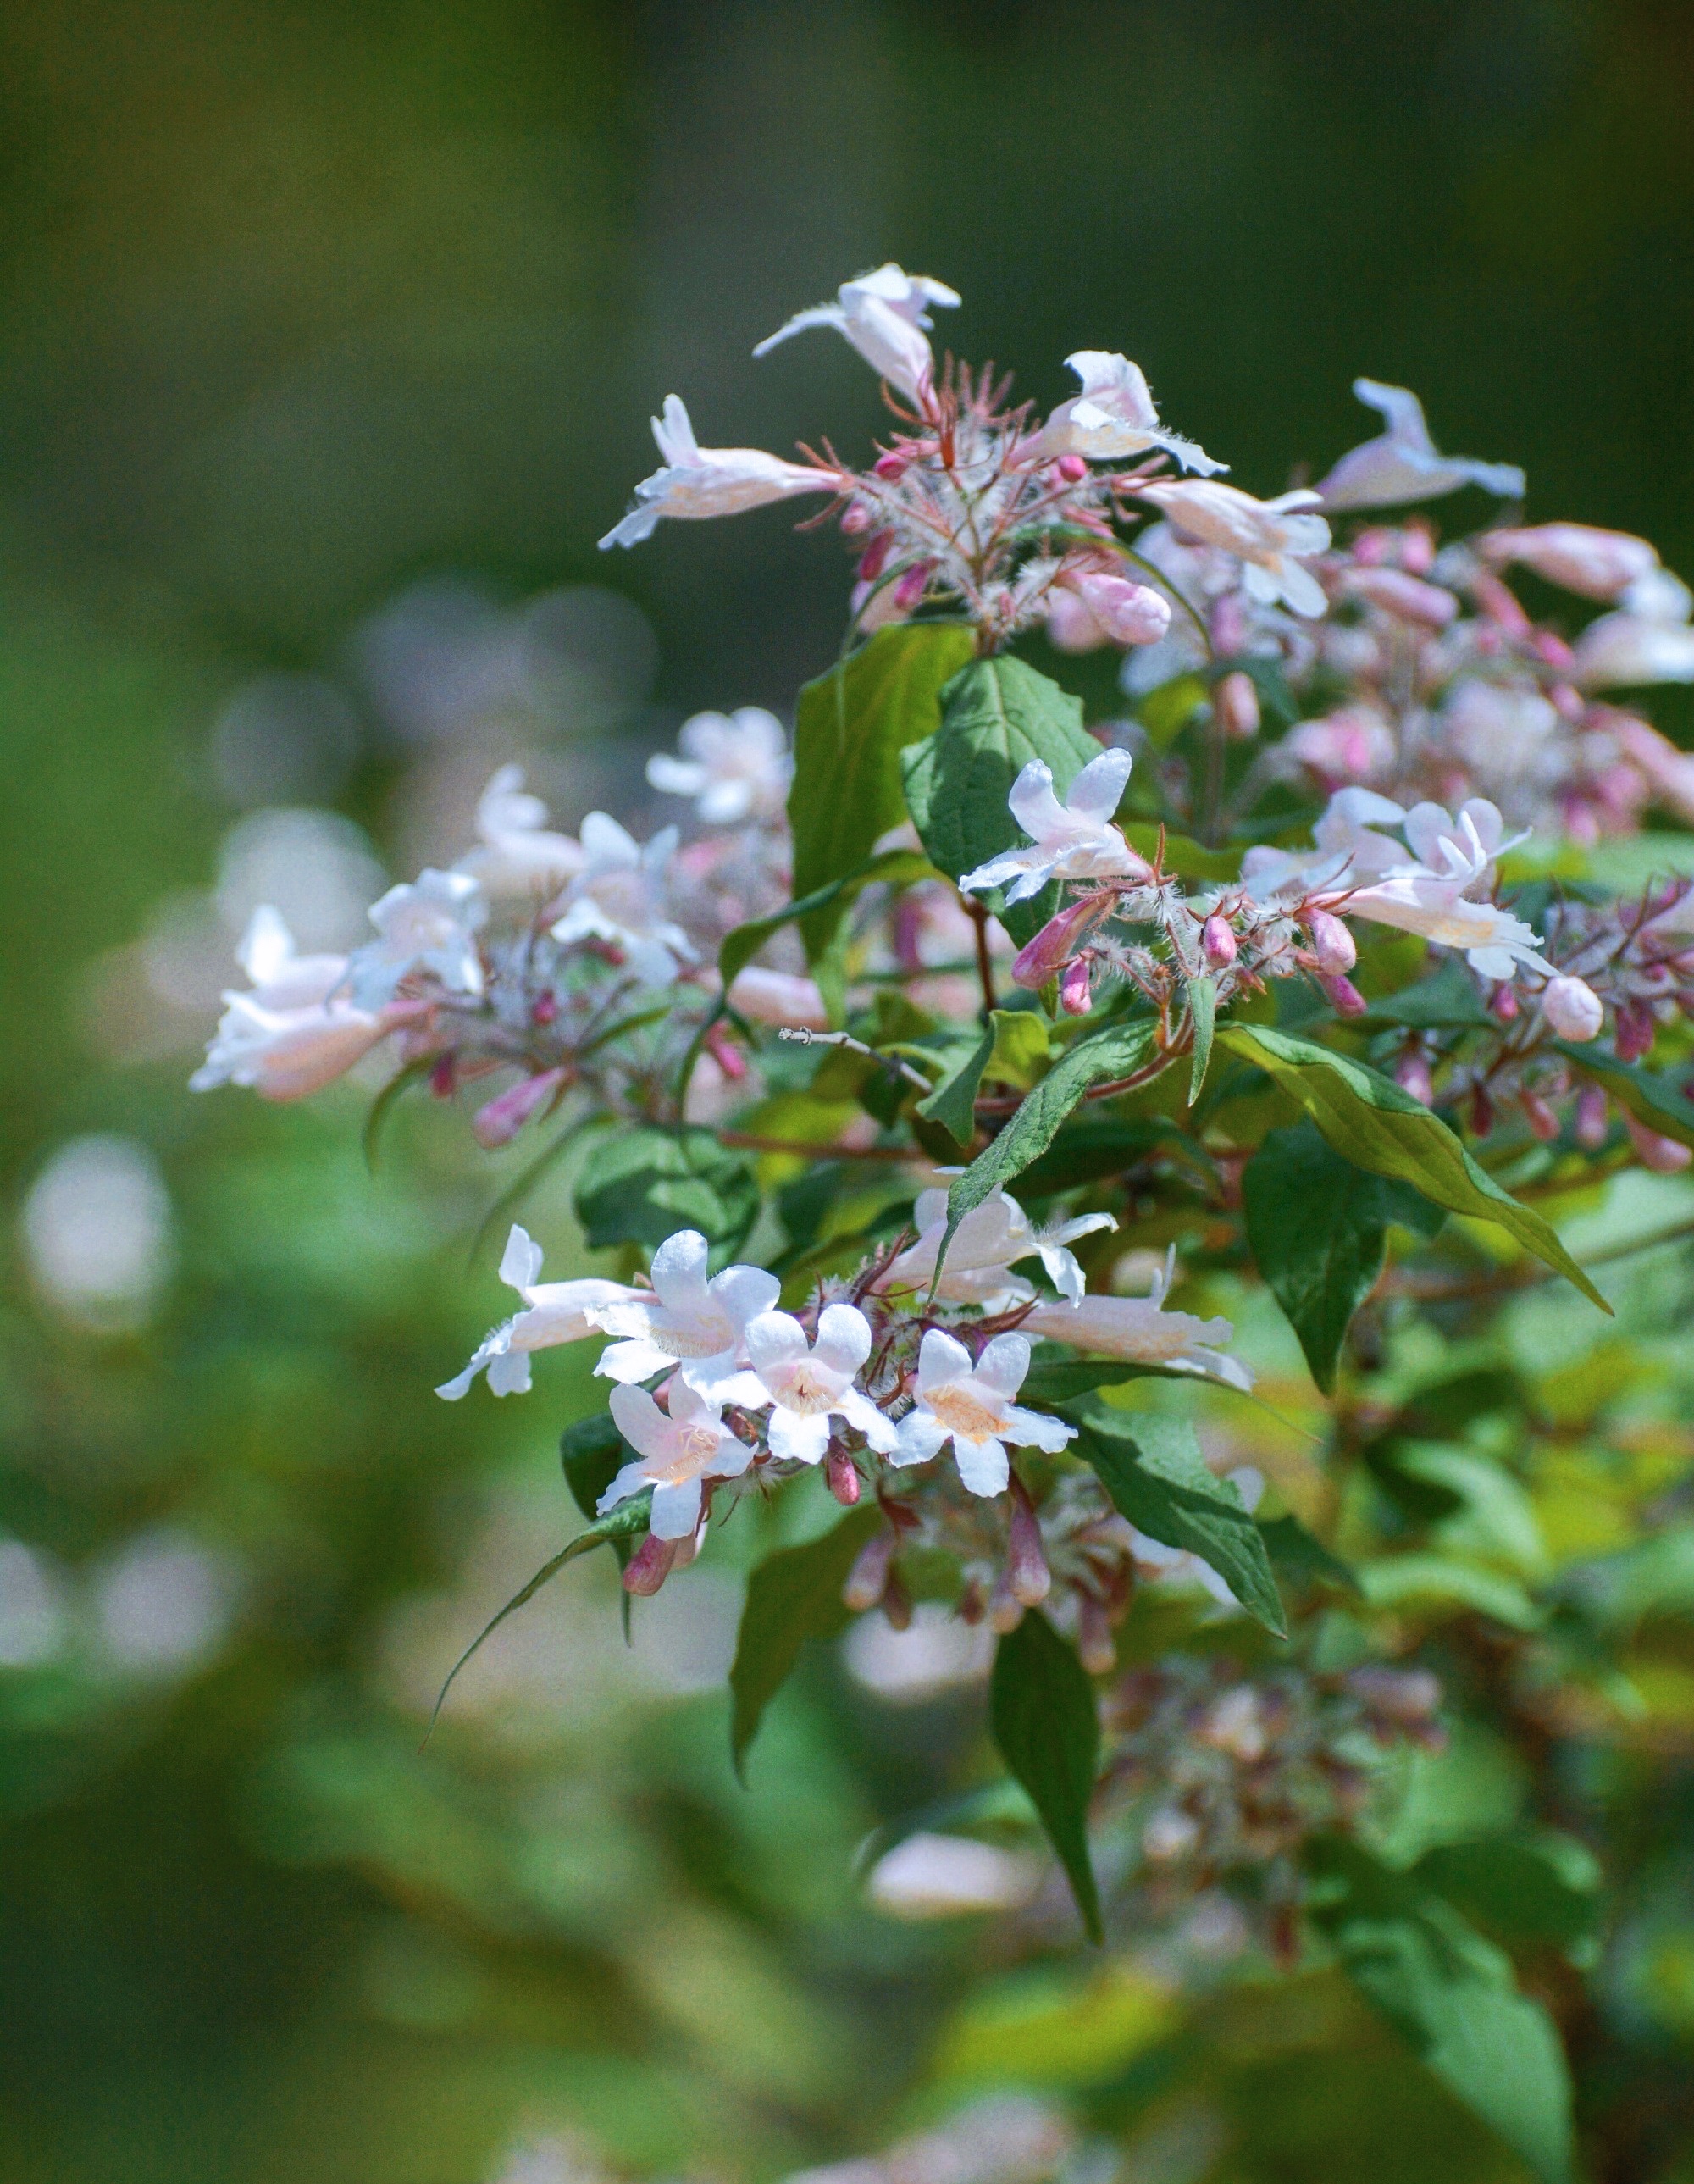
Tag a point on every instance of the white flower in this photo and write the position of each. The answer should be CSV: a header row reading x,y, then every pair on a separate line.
x,y
619,897
1573,1010
1269,538
807,1385
698,482
679,1452
553,1312
1429,896
972,1407
1598,565
884,315
1141,1331
1348,847
430,925
519,855
687,1320
1649,639
1402,465
293,1034
990,1240
1114,416
283,978
1073,841
737,765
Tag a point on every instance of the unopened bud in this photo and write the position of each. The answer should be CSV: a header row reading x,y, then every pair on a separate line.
x,y
893,467
1481,1112
1344,996
1094,1647
1502,1003
1028,1577
1573,1010
1076,994
1593,1117
1235,706
1332,944
896,1603
857,520
443,1077
649,1566
1503,608
1128,613
1217,941
1635,1030
499,1122
1406,597
1543,1123
869,1575
1005,1609
1072,469
1411,1073
1664,1156
725,1053
1597,565
874,557
544,1008
911,586
841,1474
1046,955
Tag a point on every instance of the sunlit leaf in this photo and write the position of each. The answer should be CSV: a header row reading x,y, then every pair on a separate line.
x,y
1045,1722
793,1595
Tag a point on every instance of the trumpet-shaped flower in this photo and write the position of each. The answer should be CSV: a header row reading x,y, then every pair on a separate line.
x,y
430,925
1139,1331
695,481
680,1449
1271,538
990,1239
1401,464
973,1406
884,315
1074,840
1114,417
553,1312
619,897
1430,895
288,1054
687,1320
735,765
809,1383
1648,640
519,855
282,977
1595,563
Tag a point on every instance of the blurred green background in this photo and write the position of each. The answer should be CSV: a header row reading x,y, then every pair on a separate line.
x,y
327,339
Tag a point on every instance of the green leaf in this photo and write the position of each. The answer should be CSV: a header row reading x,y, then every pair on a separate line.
x,y
897,868
592,1453
1656,1101
850,727
1166,709
1152,1468
1203,1006
996,714
1453,1996
1187,859
1119,1050
953,1103
1042,1707
1375,1125
1543,1887
382,1106
1448,996
1318,1228
1301,1559
625,1523
1094,1146
793,1595
645,1184
1022,1047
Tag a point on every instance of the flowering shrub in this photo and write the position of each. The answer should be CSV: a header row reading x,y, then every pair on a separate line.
x,y
944,1029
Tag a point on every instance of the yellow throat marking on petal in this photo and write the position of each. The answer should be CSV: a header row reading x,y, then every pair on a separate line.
x,y
963,1409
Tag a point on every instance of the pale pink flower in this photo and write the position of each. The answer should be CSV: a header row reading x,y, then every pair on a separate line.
x,y
1089,607
1073,841
809,1383
1402,465
1597,565
1271,538
973,1407
990,1239
1431,896
778,997
553,1312
519,855
686,1319
620,897
1114,417
697,481
735,765
679,1449
884,315
1141,1332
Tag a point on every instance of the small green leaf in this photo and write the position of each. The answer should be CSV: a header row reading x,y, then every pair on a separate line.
x,y
996,715
1448,997
1303,1560
646,1184
1152,1468
1375,1125
793,1595
1022,1047
850,727
953,1103
1318,1228
1166,709
1656,1101
1542,1887
1119,1050
1202,1007
895,867
1045,1723
1187,859
592,1453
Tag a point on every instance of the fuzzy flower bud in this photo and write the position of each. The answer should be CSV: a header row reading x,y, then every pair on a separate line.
x,y
1573,1010
1076,994
499,1122
1593,1117
912,587
1343,995
1128,614
649,1566
1331,943
841,1475
1072,469
1218,940
1027,1575
1235,702
1502,1003
1047,956
1543,1123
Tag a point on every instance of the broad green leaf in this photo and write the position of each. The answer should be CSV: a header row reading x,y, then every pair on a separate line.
x,y
1448,996
1013,1049
1372,1123
628,1521
793,1595
1453,1996
1203,1006
850,727
996,714
953,1103
897,868
1152,1468
1423,1582
645,1184
1658,1102
1166,709
1303,1560
1119,1050
1094,1146
1542,1887
1317,1226
1041,1705
1022,1047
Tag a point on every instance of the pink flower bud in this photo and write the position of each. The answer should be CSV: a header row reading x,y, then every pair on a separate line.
x,y
649,1566
1217,941
893,467
443,1077
1664,1156
1070,626
1332,944
1595,564
726,1053
871,561
1502,1003
855,520
1408,598
1417,548
1047,954
1573,1010
1072,469
500,1121
1094,1647
1543,1123
1481,1112
1593,1117
1027,1573
1636,1031
1076,994
1129,614
868,1577
544,1009
1412,1075
841,1474
1500,606
1548,646
1235,703
1345,997
912,587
